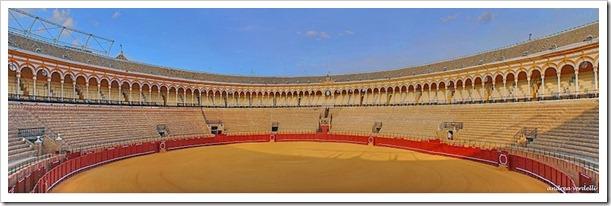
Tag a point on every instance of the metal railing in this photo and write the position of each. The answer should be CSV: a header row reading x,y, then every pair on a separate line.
x,y
508,99
29,163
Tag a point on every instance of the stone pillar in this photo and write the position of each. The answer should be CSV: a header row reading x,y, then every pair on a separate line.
x,y
129,96
49,86
473,93
429,95
515,90
462,95
74,90
34,88
529,88
109,92
576,82
87,90
542,86
62,88
505,89
558,74
596,79
483,90
18,88
446,97
159,98
492,96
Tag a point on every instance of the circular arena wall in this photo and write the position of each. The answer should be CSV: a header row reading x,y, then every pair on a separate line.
x,y
311,167
556,179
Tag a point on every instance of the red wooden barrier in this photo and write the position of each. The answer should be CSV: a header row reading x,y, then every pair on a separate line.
x,y
43,180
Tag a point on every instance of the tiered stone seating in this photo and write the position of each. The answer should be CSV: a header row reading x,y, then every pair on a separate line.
x,y
237,120
93,125
565,126
18,149
577,137
297,119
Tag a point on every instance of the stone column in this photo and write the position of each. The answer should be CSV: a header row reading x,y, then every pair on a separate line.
x,y
529,87
62,88
483,90
515,90
576,82
542,85
18,84
159,98
492,96
504,89
558,74
34,88
473,93
74,90
462,95
129,96
596,79
49,86
87,90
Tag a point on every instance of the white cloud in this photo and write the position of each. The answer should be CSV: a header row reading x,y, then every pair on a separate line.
x,y
485,17
116,14
447,19
319,35
63,17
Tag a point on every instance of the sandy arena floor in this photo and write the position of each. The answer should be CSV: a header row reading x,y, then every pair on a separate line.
x,y
297,167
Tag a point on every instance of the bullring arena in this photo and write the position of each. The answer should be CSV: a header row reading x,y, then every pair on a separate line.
x,y
523,118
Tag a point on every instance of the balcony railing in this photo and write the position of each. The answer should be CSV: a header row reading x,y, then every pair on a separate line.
x,y
510,98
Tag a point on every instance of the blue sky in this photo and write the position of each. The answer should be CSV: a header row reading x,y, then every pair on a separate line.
x,y
304,42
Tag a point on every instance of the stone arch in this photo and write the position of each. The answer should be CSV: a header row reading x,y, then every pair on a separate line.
x,y
587,78
56,84
522,83
551,85
567,79
104,87
536,83
41,87
125,91
81,86
92,90
137,93
27,66
499,87
26,82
